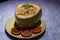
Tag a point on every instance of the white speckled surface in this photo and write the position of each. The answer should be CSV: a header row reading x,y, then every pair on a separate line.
x,y
51,15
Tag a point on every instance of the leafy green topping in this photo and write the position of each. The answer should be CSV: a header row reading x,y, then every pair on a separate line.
x,y
27,6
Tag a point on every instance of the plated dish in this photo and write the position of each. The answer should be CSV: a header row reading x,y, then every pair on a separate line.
x,y
27,22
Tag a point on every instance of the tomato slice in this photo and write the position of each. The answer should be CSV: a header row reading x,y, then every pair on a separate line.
x,y
37,29
26,33
15,31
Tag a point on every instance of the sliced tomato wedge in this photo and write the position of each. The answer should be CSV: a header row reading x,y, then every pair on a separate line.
x,y
26,33
36,30
14,31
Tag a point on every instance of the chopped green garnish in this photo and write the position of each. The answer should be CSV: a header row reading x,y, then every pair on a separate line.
x,y
27,6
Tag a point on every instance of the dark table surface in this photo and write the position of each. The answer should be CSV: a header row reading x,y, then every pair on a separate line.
x,y
50,14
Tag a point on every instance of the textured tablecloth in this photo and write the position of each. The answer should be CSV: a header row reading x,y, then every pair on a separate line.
x,y
50,14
